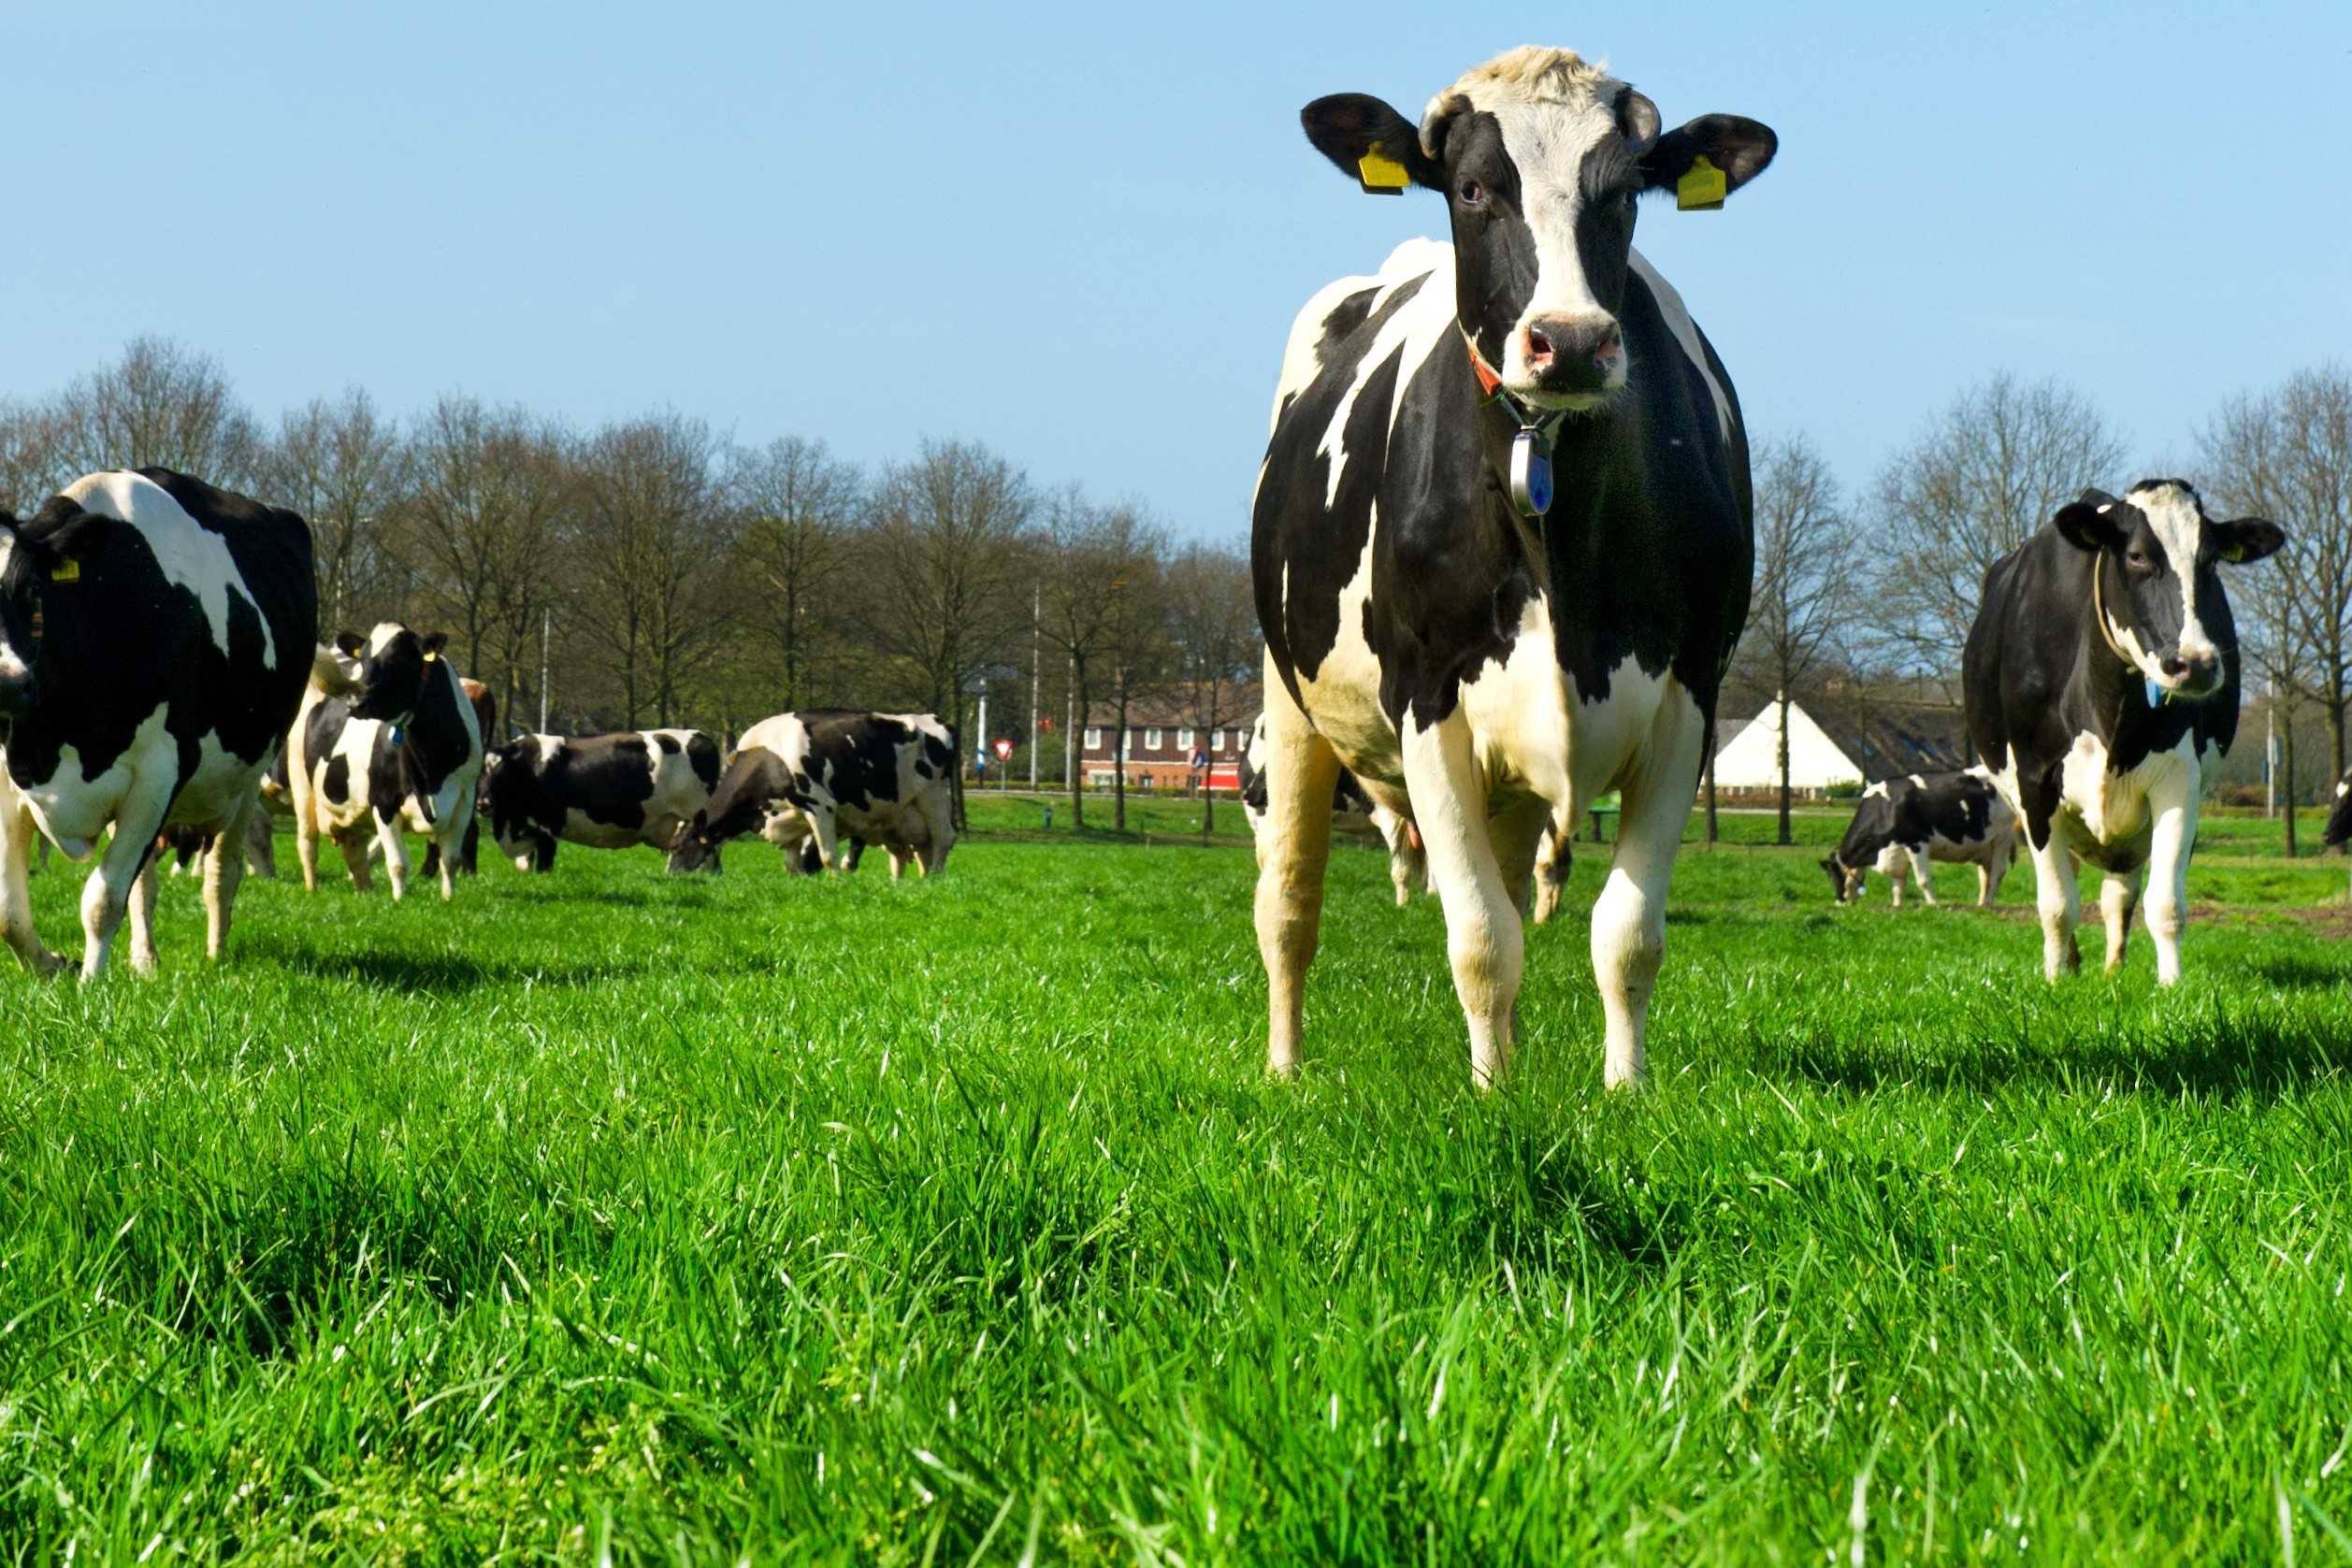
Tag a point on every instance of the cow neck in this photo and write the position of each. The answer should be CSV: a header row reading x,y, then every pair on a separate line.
x,y
1521,420
2155,694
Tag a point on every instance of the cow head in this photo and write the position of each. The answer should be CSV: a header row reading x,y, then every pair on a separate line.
x,y
2157,559
698,846
1845,881
41,579
1540,157
392,665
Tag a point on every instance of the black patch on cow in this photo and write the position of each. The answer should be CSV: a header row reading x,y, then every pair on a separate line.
x,y
335,781
702,755
668,741
2339,828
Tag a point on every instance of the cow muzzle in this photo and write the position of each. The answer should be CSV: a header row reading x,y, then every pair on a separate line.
x,y
2189,675
1567,354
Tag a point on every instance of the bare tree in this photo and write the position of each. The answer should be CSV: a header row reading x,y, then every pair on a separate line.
x,y
1213,629
345,468
1991,470
650,540
163,404
1136,643
34,462
1807,577
1086,550
799,506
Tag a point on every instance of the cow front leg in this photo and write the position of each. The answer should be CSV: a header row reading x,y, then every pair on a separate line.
x,y
394,845
1517,834
223,870
1485,937
18,834
1553,857
899,859
2118,896
1923,872
355,850
1294,849
1896,871
106,897
1984,884
261,844
1629,917
2058,897
306,842
823,828
2175,840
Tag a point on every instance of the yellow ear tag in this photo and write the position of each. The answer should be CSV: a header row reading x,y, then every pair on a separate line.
x,y
1701,190
1381,175
66,572
430,655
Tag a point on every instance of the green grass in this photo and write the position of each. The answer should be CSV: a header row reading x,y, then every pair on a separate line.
x,y
793,1220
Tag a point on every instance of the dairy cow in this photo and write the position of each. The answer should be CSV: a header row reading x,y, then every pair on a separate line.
x,y
2339,828
155,636
603,791
1501,537
485,713
829,775
402,751
2101,684
1902,824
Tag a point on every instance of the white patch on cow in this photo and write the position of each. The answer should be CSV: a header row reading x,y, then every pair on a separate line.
x,y
73,807
1878,789
13,669
189,554
1416,330
548,746
2179,525
1343,698
1685,330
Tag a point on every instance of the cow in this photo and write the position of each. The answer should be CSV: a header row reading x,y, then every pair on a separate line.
x,y
156,637
1353,811
1904,824
484,704
822,776
403,751
2102,685
2339,828
1501,540
604,791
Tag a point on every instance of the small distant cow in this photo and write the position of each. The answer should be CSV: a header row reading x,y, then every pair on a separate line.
x,y
404,752
603,791
2339,828
2102,680
1904,824
828,775
155,636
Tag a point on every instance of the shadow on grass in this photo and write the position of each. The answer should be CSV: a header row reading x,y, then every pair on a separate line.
x,y
2203,1058
451,975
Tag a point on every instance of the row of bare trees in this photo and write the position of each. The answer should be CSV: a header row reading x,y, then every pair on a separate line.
x,y
653,572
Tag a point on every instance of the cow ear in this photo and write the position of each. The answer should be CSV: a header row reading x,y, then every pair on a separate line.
x,y
2248,538
1636,121
1738,148
351,643
435,643
2090,522
1373,144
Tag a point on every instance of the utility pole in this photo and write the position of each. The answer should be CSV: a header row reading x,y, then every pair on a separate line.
x,y
1036,667
2270,754
546,630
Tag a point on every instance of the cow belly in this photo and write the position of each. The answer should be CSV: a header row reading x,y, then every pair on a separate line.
x,y
583,830
74,807
221,785
885,823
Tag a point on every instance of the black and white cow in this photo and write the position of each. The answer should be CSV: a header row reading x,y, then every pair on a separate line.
x,y
1502,667
403,752
1904,824
1353,811
2339,828
155,636
2102,680
829,775
604,791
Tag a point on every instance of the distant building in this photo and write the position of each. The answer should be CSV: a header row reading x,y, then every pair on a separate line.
x,y
1750,758
1166,750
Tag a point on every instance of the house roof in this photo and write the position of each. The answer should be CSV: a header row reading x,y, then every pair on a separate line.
x,y
1750,759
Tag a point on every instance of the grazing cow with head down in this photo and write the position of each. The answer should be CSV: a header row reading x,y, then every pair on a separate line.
x,y
2102,679
403,752
1501,538
1904,824
828,775
604,791
156,635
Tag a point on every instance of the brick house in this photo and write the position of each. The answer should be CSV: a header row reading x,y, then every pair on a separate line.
x,y
1166,749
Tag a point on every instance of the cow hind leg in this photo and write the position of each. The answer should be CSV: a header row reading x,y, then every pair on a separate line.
x,y
1629,917
1923,872
18,834
2118,896
106,897
939,829
223,870
899,859
394,845
356,858
1293,850
1485,936
1553,857
142,912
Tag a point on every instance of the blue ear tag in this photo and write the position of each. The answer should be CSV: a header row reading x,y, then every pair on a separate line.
x,y
2155,693
1531,474
399,736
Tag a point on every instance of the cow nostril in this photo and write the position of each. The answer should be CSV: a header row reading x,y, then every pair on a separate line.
x,y
1538,343
2172,666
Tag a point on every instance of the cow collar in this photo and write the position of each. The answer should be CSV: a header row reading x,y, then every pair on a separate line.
x,y
1530,473
2157,696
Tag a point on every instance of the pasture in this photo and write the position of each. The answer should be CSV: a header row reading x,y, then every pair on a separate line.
x,y
607,1214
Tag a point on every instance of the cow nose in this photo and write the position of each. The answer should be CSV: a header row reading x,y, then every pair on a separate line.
x,y
1573,350
2197,670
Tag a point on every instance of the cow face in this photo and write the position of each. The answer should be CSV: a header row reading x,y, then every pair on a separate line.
x,y
392,664
42,561
1540,157
1845,881
697,847
2159,580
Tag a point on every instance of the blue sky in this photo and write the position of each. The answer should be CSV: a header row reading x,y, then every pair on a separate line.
x,y
1080,233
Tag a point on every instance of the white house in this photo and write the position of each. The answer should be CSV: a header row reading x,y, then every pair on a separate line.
x,y
1750,758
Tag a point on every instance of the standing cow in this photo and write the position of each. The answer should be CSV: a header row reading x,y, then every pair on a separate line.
x,y
1501,540
604,791
405,751
1904,824
2102,679
873,778
155,636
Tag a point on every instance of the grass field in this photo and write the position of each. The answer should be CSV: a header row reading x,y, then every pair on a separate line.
x,y
606,1213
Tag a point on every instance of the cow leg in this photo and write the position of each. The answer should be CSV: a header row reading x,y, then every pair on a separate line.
x,y
1517,835
223,870
453,849
827,834
1294,849
305,842
939,827
1629,917
1895,873
394,843
899,859
261,844
106,897
2118,896
1923,872
2060,901
2176,836
356,858
1553,857
18,832
142,914
1485,937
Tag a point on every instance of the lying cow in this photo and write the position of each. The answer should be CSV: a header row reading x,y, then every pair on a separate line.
x,y
2102,682
403,752
603,791
155,636
1904,824
821,777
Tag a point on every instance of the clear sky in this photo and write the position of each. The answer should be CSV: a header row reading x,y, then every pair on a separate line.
x,y
1079,232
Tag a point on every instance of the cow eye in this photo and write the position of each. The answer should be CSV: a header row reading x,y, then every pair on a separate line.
x,y
1472,193
2140,561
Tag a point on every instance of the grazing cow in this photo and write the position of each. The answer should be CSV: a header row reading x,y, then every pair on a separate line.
x,y
156,635
2339,828
873,778
1501,540
2102,680
404,752
604,791
1904,824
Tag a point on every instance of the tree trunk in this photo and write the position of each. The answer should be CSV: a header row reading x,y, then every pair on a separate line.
x,y
2287,782
1784,838
1118,760
1074,746
2335,732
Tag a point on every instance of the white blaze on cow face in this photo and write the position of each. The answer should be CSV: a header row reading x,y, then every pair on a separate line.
x,y
2179,525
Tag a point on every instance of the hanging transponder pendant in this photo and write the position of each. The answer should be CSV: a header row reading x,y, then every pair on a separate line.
x,y
1531,474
